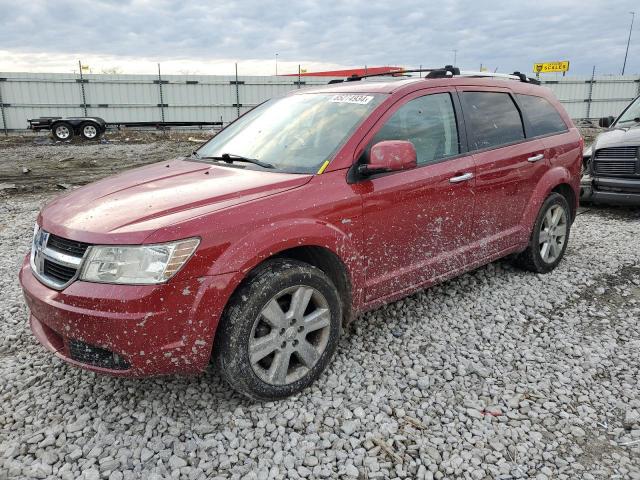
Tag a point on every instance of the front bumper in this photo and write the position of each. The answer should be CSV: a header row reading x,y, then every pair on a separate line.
x,y
128,330
614,191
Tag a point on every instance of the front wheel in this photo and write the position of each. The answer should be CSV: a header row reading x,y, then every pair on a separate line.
x,y
550,236
279,331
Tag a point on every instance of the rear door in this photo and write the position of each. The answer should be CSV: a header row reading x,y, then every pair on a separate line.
x,y
417,222
543,121
508,166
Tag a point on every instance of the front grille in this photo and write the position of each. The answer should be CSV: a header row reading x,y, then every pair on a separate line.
x,y
56,260
70,247
629,152
617,162
96,356
615,167
59,272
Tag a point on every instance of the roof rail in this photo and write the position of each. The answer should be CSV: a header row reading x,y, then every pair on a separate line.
x,y
511,76
446,72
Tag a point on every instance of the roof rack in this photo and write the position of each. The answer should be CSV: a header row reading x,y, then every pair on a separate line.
x,y
511,76
447,71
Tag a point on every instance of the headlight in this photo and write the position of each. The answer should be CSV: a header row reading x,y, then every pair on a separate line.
x,y
144,264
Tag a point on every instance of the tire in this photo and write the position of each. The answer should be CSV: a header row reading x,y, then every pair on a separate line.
x,y
62,131
264,308
543,256
90,131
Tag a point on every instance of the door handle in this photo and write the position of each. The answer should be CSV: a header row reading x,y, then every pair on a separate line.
x,y
461,178
535,158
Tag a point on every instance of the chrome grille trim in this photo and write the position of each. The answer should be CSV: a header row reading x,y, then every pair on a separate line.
x,y
62,258
57,260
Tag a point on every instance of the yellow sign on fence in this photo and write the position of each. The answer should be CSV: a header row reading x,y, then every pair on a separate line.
x,y
551,67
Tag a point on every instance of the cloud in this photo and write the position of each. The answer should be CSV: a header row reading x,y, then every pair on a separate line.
x,y
208,37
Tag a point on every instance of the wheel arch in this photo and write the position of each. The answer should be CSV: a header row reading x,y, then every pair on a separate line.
x,y
567,192
332,265
319,256
557,179
322,244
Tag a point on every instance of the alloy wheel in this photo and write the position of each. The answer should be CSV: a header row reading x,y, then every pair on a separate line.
x,y
553,233
289,335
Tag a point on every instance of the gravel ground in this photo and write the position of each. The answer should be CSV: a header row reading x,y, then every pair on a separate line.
x,y
496,374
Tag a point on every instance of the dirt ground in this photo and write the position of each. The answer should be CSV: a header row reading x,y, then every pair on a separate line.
x,y
35,162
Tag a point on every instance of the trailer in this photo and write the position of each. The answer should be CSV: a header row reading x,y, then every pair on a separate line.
x,y
91,128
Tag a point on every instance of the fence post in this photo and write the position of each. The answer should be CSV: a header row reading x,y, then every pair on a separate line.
x,y
237,92
84,98
161,105
593,74
4,119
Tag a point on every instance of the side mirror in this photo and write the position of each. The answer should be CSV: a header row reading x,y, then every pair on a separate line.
x,y
390,156
606,122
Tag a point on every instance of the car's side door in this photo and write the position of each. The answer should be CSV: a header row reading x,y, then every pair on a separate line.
x,y
417,222
508,166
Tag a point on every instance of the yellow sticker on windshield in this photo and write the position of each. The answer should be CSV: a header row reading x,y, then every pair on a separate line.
x,y
323,167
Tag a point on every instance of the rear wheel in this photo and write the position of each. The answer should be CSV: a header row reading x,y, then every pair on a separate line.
x,y
279,331
550,236
62,131
89,131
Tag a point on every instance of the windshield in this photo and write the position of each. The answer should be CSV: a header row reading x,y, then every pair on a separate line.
x,y
297,133
631,114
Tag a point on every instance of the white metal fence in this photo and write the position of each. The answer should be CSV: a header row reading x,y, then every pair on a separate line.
x,y
597,96
193,98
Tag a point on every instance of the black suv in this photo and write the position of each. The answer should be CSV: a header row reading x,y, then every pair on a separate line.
x,y
612,162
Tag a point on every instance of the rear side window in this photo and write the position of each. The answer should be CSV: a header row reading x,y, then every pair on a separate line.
x,y
492,119
543,118
429,123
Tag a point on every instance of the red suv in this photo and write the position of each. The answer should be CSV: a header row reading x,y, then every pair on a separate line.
x,y
308,210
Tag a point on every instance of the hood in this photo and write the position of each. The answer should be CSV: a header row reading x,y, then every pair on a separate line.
x,y
128,207
618,137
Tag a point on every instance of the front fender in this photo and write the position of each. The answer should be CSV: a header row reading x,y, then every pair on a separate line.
x,y
552,178
247,252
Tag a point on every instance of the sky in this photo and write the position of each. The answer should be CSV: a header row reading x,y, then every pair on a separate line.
x,y
209,37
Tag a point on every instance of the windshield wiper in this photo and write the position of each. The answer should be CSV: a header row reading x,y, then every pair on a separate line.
x,y
230,158
636,120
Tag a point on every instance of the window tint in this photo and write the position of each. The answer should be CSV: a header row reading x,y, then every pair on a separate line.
x,y
492,119
429,123
542,116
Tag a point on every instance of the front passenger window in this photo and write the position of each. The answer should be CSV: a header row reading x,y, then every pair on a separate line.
x,y
429,123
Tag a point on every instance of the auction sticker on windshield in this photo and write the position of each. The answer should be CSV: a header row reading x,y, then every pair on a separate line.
x,y
360,99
